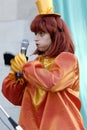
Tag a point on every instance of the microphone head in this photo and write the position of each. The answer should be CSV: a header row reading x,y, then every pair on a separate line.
x,y
24,46
25,43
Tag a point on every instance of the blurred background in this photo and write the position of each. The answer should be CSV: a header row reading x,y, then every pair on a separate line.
x,y
15,19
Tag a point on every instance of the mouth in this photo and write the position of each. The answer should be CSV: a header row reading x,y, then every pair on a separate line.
x,y
39,48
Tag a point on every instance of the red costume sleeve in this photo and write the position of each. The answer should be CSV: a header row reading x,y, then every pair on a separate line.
x,y
13,88
61,74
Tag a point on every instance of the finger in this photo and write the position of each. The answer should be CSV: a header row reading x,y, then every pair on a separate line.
x,y
18,61
15,67
22,57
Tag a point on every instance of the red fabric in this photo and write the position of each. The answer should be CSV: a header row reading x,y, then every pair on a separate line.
x,y
50,96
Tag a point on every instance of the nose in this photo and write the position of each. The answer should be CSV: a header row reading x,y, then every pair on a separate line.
x,y
36,38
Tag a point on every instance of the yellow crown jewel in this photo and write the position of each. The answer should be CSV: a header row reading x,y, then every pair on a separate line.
x,y
45,7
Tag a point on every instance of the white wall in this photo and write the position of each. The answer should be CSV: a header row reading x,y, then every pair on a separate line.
x,y
11,35
15,19
17,9
8,9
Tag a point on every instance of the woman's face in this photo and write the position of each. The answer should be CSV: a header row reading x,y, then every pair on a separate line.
x,y
43,42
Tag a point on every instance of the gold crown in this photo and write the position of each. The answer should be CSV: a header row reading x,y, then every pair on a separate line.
x,y
45,7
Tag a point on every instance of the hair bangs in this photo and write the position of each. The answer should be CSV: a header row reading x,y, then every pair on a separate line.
x,y
38,25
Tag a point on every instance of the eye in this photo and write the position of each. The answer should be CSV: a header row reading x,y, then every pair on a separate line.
x,y
35,33
42,33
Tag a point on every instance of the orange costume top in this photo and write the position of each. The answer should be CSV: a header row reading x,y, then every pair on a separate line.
x,y
48,93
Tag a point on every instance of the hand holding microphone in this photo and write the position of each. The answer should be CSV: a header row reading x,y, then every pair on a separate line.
x,y
8,56
20,59
18,62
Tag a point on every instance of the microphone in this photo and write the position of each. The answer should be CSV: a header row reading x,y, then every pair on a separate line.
x,y
24,46
8,56
13,123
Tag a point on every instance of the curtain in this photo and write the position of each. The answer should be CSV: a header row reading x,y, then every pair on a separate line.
x,y
73,12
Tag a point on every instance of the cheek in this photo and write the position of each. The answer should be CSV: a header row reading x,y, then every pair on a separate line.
x,y
48,39
46,45
49,42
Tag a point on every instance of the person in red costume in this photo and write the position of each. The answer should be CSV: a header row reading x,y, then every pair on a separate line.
x,y
47,88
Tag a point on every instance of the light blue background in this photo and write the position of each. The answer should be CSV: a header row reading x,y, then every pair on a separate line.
x,y
74,13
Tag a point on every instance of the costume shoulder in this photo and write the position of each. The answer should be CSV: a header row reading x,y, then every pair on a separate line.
x,y
66,60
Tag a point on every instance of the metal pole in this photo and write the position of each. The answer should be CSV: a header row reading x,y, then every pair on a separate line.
x,y
13,123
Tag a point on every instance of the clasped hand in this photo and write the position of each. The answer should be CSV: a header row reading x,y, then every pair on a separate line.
x,y
17,63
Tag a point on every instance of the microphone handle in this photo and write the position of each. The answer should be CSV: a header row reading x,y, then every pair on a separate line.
x,y
23,51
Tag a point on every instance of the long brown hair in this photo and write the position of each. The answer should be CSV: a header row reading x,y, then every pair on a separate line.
x,y
58,30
